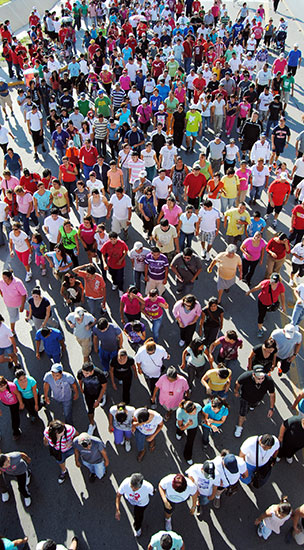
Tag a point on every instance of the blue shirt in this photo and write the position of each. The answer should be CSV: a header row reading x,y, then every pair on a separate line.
x,y
156,101
51,342
255,225
61,389
74,69
181,414
42,200
12,163
127,53
8,544
163,91
27,393
60,139
113,132
293,57
214,416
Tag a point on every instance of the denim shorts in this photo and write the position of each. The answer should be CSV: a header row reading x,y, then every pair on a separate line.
x,y
6,351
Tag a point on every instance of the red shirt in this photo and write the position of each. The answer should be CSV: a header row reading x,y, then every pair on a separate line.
x,y
157,66
88,156
279,189
29,183
194,184
132,43
64,172
127,27
33,20
188,48
114,253
265,296
278,248
298,217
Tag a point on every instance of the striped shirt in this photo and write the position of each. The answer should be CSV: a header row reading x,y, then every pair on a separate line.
x,y
135,167
100,128
117,97
65,442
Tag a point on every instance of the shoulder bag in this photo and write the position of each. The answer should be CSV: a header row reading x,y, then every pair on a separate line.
x,y
275,305
261,473
57,453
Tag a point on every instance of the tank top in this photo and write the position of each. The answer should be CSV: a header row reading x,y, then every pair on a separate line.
x,y
179,176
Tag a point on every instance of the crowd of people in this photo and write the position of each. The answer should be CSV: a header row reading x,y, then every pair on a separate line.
x,y
169,122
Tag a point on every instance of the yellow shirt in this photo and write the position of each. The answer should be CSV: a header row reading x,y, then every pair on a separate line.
x,y
59,199
233,216
216,383
227,266
231,186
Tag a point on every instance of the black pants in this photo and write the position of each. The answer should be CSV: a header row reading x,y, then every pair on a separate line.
x,y
133,317
275,5
138,516
189,443
262,312
149,225
248,269
285,364
210,334
151,383
295,181
74,258
297,235
117,277
21,480
186,333
4,146
70,187
114,147
160,204
101,146
126,386
15,418
30,406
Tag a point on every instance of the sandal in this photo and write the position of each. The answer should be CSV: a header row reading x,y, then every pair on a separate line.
x,y
152,446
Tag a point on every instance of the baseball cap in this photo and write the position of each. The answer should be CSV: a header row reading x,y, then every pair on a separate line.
x,y
84,438
78,313
281,56
283,175
100,92
142,174
209,469
259,371
144,100
231,464
57,367
289,331
82,95
192,106
196,167
138,245
232,140
218,136
161,107
263,134
231,248
274,278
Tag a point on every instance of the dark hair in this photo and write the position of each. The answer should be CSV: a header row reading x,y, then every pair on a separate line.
x,y
270,343
37,290
284,506
222,370
1,318
19,373
62,251
55,427
267,440
187,405
113,235
166,541
45,331
213,300
88,366
189,299
3,458
232,335
171,373
91,269
102,323
143,415
89,218
188,251
179,483
208,203
219,402
8,273
49,544
195,345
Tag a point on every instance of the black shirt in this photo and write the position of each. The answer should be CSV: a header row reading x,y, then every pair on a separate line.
x,y
275,107
121,370
259,358
40,311
212,318
92,384
251,391
281,134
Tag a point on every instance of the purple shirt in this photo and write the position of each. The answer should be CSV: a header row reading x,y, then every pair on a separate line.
x,y
157,267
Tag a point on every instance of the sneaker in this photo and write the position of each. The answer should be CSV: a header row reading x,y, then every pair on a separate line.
x,y
103,401
274,224
280,372
43,272
190,462
178,437
217,503
62,477
92,477
278,459
27,502
181,343
5,497
266,216
138,533
153,406
168,524
91,428
28,276
30,258
120,292
128,446
238,431
260,333
36,156
114,287
289,460
207,256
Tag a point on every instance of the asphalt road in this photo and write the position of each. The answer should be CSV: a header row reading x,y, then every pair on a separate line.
x,y
88,509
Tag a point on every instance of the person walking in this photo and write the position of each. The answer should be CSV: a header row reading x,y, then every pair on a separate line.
x,y
137,491
146,425
15,464
171,389
187,421
270,298
11,398
273,518
253,250
288,341
63,388
228,264
59,436
187,311
90,451
259,453
93,385
230,469
173,489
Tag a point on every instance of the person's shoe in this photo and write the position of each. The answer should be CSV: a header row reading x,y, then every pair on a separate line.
x,y
217,503
103,401
251,408
260,333
141,455
114,287
278,459
138,533
17,435
5,497
280,372
27,502
128,446
178,437
168,524
207,256
43,272
120,292
266,216
91,428
103,309
28,276
289,460
62,477
238,431
92,478
190,462
274,224
181,343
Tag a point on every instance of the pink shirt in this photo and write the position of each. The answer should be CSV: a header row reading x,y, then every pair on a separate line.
x,y
24,202
12,293
153,309
180,95
131,306
9,184
254,251
172,215
171,393
243,177
244,109
125,82
279,65
8,397
185,315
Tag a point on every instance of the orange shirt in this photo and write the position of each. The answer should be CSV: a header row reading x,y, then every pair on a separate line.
x,y
214,190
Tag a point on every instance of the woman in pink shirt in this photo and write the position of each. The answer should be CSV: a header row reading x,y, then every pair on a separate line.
x,y
187,311
14,296
279,65
131,304
125,81
180,93
11,397
170,211
253,250
243,174
172,388
154,306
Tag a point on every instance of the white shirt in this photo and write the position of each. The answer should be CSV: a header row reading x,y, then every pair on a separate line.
x,y
188,224
97,184
263,77
34,120
206,112
161,186
231,152
174,496
140,497
5,335
207,74
53,227
300,290
120,207
299,164
208,219
3,206
149,428
299,250
3,135
227,478
53,65
151,364
258,178
132,68
149,85
300,186
265,99
168,156
218,107
205,485
189,81
83,66
234,64
134,98
19,241
261,150
264,455
100,241
148,158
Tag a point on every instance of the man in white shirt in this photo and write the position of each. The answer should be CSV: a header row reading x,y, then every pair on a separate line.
x,y
265,99
230,469
168,156
122,211
35,128
51,227
163,186
261,150
53,64
132,67
207,481
174,489
263,78
258,180
217,113
208,226
257,451
137,491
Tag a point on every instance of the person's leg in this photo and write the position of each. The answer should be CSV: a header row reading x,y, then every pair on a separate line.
x,y
245,268
269,266
206,432
67,411
189,443
126,386
251,270
156,326
140,440
191,375
278,264
30,407
262,310
22,487
297,314
182,238
118,437
15,419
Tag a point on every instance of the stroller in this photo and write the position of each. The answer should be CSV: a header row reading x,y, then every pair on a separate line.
x,y
280,38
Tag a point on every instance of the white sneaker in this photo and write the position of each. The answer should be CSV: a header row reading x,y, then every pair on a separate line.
x,y
27,502
120,292
238,431
178,437
278,459
289,460
114,287
5,497
190,462
28,276
103,401
138,533
168,524
128,446
91,428
181,343
207,256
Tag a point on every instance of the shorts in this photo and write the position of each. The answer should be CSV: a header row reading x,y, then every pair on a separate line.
x,y
6,351
66,455
278,148
207,236
13,313
244,406
37,137
194,134
170,512
24,256
120,435
118,225
297,268
285,96
4,101
90,247
194,202
224,284
86,345
277,209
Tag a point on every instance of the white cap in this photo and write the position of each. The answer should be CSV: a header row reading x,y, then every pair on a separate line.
x,y
142,174
281,55
161,107
296,45
283,176
78,312
144,100
289,331
138,245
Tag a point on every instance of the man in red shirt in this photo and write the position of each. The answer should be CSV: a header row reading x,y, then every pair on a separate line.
x,y
198,52
67,176
188,51
29,181
297,223
157,67
88,157
127,28
195,183
33,19
114,252
199,84
132,42
278,195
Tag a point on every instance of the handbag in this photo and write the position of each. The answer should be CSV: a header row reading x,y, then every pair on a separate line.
x,y
261,473
57,453
275,305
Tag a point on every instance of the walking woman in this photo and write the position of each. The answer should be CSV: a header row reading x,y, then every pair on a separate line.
x,y
27,386
195,356
271,296
19,241
187,311
214,415
59,261
146,424
264,354
253,250
177,175
72,291
187,416
86,233
59,437
39,309
10,397
273,518
211,322
277,249
69,239
179,125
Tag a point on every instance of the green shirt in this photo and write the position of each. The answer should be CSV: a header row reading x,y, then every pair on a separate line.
x,y
193,121
102,105
84,9
84,107
171,105
287,81
172,67
68,239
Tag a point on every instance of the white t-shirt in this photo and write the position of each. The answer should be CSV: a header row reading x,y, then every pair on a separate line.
x,y
132,68
34,119
207,75
263,77
19,241
120,207
3,135
139,259
53,227
249,450
207,111
149,428
231,152
151,364
148,158
174,496
218,106
300,290
5,335
204,485
3,206
208,219
140,497
100,241
134,98
161,186
258,178
188,224
168,156
97,184
264,101
189,81
299,164
227,478
127,424
299,250
234,64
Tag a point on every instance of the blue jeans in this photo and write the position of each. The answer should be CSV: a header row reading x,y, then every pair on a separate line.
x,y
94,306
151,172
205,123
297,314
16,173
137,278
98,469
255,192
26,221
140,439
187,64
185,237
269,124
2,236
60,153
204,500
105,358
251,469
86,169
101,219
227,203
156,324
67,411
56,356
